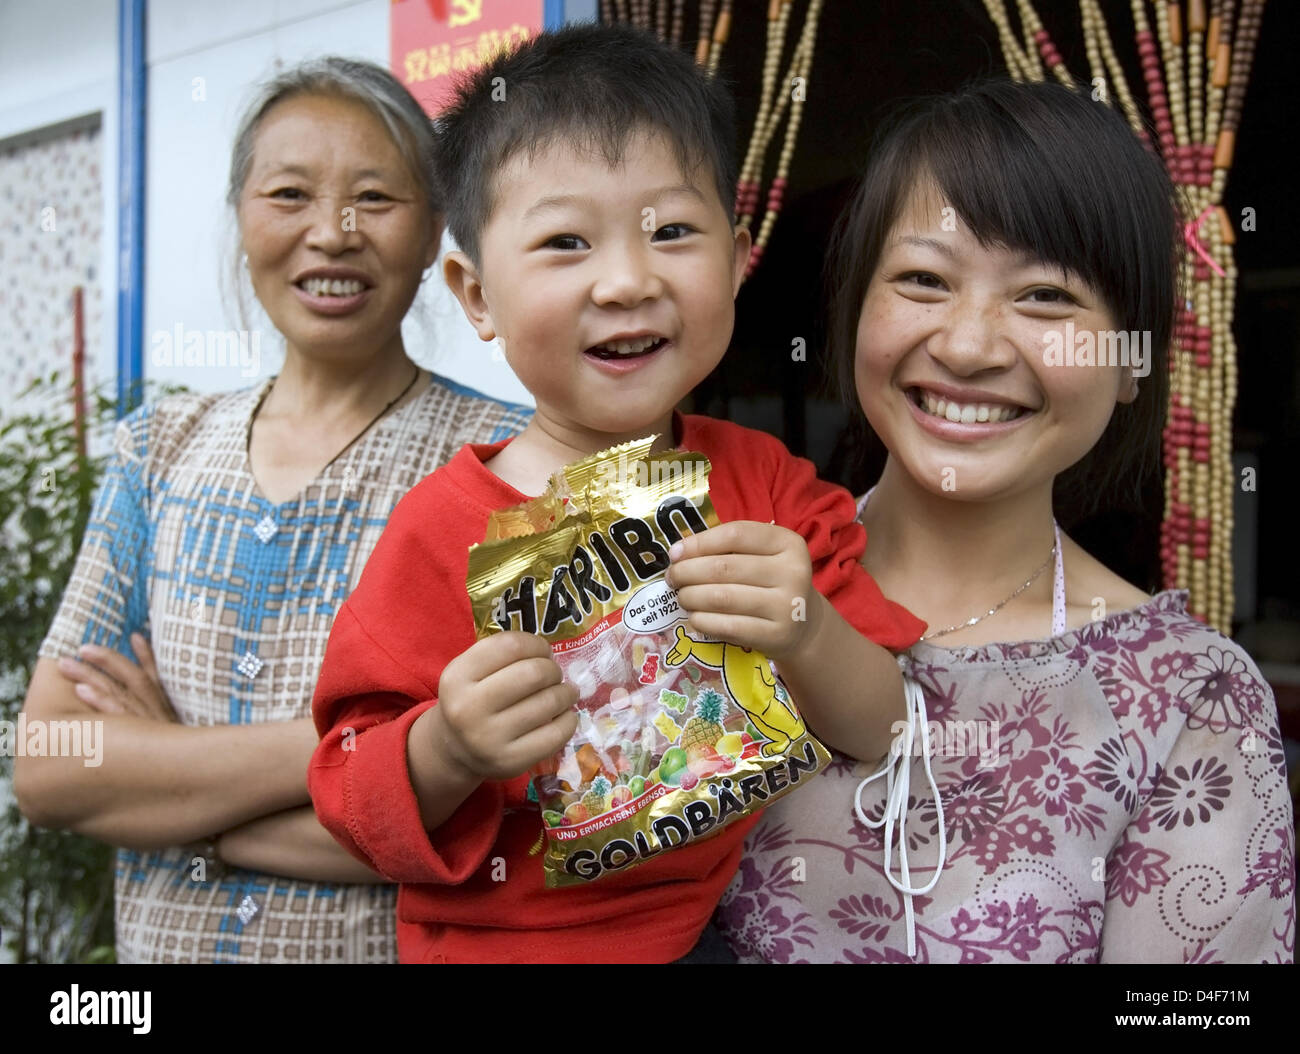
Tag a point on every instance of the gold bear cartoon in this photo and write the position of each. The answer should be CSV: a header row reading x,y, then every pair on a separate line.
x,y
749,679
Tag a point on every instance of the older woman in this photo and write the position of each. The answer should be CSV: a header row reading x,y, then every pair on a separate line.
x,y
228,530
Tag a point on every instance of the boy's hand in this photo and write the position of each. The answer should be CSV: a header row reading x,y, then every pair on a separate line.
x,y
748,583
505,706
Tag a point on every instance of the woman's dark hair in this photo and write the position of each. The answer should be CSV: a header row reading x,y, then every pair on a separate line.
x,y
1041,169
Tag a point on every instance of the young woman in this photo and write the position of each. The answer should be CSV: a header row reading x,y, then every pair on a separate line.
x,y
1088,774
230,528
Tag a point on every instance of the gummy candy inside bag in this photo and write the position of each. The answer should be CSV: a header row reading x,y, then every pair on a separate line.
x,y
678,734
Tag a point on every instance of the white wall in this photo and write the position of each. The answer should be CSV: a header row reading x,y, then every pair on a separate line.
x,y
58,59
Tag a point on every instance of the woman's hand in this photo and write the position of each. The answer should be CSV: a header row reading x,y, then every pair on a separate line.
x,y
111,683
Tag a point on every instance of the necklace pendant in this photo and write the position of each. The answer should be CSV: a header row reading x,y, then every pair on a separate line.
x,y
266,529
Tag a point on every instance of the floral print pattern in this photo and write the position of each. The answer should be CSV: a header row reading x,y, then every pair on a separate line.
x,y
1119,795
1191,796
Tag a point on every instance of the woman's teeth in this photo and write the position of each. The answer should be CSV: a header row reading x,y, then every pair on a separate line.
x,y
628,347
967,413
331,286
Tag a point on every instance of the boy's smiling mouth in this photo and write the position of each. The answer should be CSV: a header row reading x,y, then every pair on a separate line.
x,y
627,347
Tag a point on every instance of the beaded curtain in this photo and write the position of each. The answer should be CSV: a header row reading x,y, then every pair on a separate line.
x,y
1195,71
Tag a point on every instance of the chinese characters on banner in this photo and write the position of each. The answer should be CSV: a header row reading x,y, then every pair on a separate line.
x,y
431,42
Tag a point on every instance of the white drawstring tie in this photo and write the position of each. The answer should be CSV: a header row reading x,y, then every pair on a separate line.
x,y
897,787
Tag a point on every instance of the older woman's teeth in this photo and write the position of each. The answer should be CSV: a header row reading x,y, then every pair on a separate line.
x,y
332,286
967,413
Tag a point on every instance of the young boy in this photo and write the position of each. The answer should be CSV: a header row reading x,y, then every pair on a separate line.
x,y
590,180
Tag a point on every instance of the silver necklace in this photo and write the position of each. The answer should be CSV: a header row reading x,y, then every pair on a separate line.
x,y
994,610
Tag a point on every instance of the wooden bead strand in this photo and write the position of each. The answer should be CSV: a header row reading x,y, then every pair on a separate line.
x,y
1035,31
1169,21
677,26
802,66
1092,46
1021,63
1117,82
748,186
1195,60
707,8
721,31
1153,77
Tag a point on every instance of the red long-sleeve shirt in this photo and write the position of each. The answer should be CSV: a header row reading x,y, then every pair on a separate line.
x,y
470,890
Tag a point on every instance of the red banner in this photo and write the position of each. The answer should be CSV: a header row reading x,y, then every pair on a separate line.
x,y
431,42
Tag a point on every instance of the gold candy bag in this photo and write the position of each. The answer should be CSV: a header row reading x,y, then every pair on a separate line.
x,y
678,734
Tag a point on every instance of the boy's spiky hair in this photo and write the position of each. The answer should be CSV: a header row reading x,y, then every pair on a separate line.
x,y
591,86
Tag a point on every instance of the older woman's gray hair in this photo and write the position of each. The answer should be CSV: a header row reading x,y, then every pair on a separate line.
x,y
372,86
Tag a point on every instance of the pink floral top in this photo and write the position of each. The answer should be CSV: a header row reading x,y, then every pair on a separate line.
x,y
1114,794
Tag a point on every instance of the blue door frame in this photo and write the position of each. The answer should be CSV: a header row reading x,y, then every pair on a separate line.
x,y
130,190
